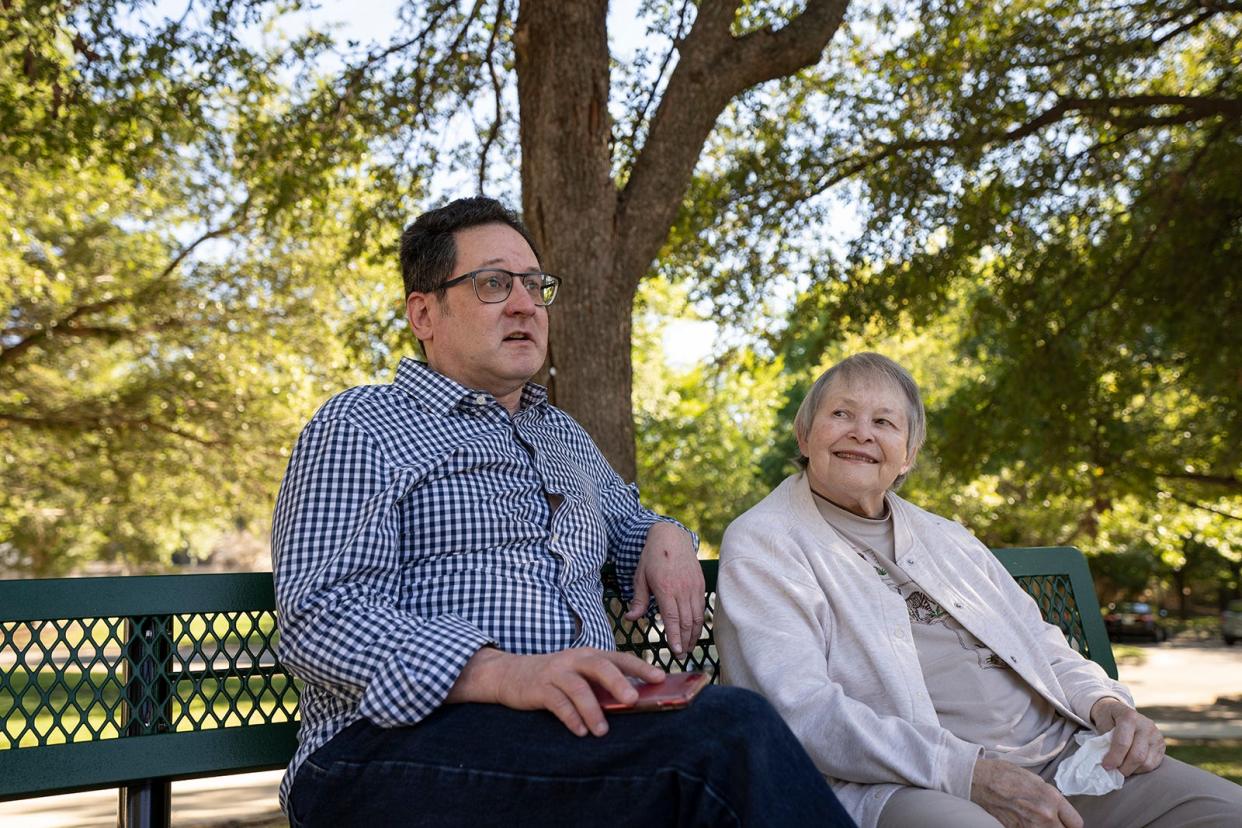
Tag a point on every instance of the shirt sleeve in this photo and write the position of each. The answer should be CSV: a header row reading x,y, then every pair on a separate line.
x,y
627,520
1083,681
337,570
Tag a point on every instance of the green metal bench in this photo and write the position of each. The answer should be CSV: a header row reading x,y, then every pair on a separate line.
x,y
131,683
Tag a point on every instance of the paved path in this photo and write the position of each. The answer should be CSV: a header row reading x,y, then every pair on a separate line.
x,y
221,802
1192,689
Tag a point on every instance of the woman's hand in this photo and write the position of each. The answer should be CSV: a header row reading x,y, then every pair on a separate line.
x,y
1018,798
1136,746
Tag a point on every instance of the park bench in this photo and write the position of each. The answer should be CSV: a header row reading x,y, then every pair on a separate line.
x,y
133,682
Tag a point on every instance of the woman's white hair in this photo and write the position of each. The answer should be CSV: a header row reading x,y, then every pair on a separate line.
x,y
860,369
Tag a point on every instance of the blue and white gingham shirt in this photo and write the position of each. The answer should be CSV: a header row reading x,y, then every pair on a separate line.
x,y
413,527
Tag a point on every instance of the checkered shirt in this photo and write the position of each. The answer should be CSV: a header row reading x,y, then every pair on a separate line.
x,y
413,528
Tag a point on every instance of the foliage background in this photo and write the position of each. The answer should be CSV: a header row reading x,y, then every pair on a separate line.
x,y
1034,205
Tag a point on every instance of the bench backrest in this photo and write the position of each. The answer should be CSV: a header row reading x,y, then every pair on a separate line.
x,y
105,681
108,680
1057,578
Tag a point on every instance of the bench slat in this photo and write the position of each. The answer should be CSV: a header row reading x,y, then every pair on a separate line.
x,y
52,599
57,769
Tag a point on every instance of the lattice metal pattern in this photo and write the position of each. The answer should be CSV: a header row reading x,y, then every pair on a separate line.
x,y
645,637
1056,601
90,679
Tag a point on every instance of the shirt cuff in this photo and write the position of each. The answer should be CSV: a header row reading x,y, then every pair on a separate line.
x,y
1083,704
630,548
417,678
960,769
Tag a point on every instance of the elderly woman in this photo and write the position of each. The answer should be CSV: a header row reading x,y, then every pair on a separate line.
x,y
918,675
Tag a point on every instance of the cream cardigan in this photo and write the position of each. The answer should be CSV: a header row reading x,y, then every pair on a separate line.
x,y
802,619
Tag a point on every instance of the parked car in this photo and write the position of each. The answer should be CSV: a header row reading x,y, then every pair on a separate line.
x,y
1231,623
1134,619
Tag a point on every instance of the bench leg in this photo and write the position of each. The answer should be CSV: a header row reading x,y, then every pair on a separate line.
x,y
146,804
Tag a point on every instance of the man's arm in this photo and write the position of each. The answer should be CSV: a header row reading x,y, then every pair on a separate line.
x,y
337,565
653,554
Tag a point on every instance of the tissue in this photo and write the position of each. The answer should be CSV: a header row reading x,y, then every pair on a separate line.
x,y
1082,773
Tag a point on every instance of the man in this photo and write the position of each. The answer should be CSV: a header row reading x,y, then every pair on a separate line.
x,y
437,546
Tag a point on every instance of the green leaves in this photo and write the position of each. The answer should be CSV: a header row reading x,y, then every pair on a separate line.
x,y
1034,204
179,288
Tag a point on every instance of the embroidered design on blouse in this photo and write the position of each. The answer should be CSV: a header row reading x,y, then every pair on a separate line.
x,y
923,610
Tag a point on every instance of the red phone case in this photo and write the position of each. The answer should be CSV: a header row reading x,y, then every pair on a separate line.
x,y
674,693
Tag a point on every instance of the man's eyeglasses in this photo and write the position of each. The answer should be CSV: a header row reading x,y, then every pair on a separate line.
x,y
494,286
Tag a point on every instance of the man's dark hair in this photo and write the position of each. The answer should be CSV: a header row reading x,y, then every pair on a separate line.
x,y
428,252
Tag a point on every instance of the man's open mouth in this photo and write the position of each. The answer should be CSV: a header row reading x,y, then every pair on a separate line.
x,y
518,337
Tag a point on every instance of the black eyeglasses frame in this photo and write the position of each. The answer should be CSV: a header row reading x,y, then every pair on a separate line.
x,y
548,280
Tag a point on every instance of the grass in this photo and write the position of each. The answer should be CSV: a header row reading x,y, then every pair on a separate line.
x,y
70,706
88,637
1129,655
1223,758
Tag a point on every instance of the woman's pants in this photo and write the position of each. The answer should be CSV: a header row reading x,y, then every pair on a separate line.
x,y
1174,795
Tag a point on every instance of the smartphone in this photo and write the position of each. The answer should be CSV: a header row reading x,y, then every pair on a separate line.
x,y
674,693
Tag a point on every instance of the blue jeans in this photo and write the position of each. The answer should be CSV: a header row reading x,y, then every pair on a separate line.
x,y
728,759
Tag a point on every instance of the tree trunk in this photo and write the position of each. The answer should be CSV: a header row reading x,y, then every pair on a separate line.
x,y
602,239
569,202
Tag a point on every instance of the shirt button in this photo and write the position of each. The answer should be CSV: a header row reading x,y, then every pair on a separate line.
x,y
555,537
957,604
1014,659
480,399
910,561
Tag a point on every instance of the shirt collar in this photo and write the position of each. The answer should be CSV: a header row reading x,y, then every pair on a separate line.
x,y
437,393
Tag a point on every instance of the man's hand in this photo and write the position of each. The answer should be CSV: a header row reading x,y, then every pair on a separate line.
x,y
1018,798
1136,746
558,682
670,569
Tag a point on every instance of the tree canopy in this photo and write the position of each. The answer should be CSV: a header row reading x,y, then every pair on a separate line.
x,y
1035,203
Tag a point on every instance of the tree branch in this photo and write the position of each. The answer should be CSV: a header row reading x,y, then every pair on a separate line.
x,y
1197,505
1173,196
57,422
713,68
1229,482
1142,43
15,351
494,131
1193,109
641,116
